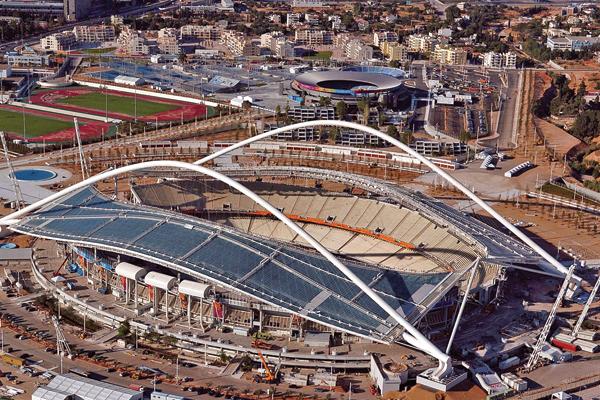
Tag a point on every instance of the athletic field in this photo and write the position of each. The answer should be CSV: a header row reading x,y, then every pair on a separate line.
x,y
117,104
35,125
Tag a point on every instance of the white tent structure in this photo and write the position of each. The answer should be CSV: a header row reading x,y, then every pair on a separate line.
x,y
131,273
193,289
156,280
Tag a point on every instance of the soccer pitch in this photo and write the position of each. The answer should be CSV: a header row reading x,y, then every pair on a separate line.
x,y
117,104
12,122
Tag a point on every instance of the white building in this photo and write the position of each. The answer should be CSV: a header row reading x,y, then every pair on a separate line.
x,y
94,33
133,42
421,43
293,19
358,51
168,41
58,41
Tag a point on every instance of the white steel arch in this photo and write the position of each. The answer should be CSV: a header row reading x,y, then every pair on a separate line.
x,y
351,125
411,334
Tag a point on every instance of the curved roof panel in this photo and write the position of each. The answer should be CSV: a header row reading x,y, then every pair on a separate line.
x,y
194,289
161,281
130,271
292,278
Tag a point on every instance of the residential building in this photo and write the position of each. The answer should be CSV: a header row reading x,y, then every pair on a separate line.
x,y
313,37
168,41
363,24
283,49
75,10
341,39
336,22
27,57
94,33
293,19
133,42
447,55
275,18
200,32
117,20
303,114
268,39
311,19
386,36
493,60
58,41
421,43
395,51
353,137
569,42
239,44
358,51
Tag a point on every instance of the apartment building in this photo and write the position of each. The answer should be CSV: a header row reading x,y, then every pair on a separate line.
x,y
94,33
269,39
282,48
313,37
387,36
200,32
168,41
358,51
569,42
444,54
303,114
133,42
500,60
58,41
240,45
422,43
293,19
395,51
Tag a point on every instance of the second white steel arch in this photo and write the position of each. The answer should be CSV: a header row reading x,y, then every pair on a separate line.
x,y
411,334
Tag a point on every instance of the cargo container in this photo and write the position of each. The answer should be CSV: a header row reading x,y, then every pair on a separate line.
x,y
586,345
564,345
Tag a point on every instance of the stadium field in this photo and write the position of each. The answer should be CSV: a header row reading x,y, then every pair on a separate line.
x,y
35,125
117,104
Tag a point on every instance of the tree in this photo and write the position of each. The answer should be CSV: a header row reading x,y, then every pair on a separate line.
x,y
394,63
324,101
392,131
124,329
341,109
452,13
182,58
464,136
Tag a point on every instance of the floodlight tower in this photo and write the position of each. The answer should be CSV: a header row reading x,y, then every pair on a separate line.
x,y
11,172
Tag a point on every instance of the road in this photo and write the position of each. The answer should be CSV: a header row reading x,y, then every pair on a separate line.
x,y
125,13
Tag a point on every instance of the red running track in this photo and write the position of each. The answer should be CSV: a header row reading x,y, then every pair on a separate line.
x,y
88,129
187,110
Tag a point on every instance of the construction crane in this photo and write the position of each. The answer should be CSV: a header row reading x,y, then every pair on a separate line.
x,y
586,308
62,346
270,377
535,354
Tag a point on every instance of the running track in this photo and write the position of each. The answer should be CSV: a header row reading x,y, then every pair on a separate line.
x,y
189,111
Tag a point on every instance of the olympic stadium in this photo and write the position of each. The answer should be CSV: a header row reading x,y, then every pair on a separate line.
x,y
382,84
292,251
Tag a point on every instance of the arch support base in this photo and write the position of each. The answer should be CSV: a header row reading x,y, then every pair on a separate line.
x,y
453,377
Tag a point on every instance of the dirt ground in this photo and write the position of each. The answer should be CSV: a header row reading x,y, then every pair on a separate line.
x,y
465,391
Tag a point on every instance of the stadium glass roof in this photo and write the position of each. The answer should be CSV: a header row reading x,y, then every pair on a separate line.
x,y
294,279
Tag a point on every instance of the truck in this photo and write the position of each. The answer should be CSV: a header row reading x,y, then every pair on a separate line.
x,y
12,360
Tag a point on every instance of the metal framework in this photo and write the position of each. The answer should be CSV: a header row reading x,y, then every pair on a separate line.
x,y
11,172
411,335
535,354
586,308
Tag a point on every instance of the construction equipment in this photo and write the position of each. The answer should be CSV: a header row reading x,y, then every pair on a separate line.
x,y
586,308
62,346
535,355
270,377
261,344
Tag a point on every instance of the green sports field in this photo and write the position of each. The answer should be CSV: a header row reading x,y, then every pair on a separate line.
x,y
12,121
117,104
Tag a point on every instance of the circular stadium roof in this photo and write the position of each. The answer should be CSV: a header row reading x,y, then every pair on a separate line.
x,y
347,82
